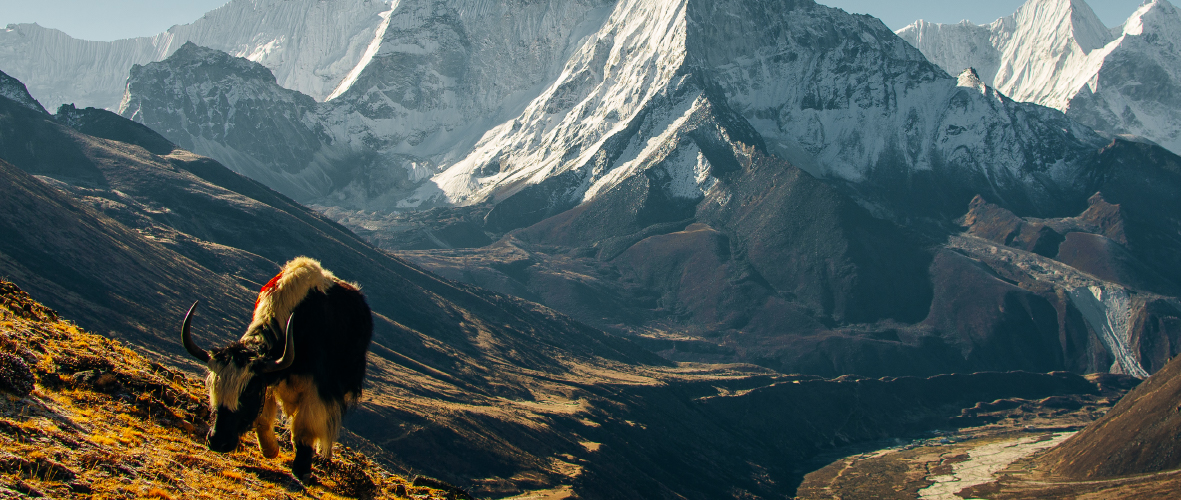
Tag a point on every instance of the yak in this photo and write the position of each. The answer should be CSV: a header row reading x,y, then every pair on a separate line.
x,y
304,350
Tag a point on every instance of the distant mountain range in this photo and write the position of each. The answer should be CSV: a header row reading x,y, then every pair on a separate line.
x,y
1123,80
310,46
434,120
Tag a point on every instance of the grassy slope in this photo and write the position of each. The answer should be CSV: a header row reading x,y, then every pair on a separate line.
x,y
104,422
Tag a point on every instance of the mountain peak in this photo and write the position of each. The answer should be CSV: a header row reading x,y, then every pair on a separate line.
x,y
1066,30
1154,16
191,54
969,78
14,89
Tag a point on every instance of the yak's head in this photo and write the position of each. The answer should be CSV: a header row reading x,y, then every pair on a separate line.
x,y
237,382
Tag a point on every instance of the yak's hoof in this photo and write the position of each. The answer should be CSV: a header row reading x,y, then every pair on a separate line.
x,y
301,467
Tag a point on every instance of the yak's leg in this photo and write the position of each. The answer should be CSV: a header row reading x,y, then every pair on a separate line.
x,y
311,423
301,468
303,436
264,426
316,424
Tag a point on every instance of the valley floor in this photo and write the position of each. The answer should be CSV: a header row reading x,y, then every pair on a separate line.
x,y
994,461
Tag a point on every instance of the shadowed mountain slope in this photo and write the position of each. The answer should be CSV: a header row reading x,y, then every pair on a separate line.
x,y
778,268
745,143
1141,435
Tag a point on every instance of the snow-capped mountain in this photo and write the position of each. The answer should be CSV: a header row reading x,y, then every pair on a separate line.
x,y
232,108
310,45
438,77
1057,53
836,94
582,96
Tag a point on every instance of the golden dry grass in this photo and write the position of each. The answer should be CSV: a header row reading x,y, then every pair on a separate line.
x,y
105,423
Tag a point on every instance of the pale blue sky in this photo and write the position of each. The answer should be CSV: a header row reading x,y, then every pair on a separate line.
x,y
114,19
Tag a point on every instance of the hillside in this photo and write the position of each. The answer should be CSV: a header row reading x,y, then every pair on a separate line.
x,y
806,281
84,416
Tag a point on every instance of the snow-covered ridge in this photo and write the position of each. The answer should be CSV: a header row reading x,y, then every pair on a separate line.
x,y
494,98
1058,54
434,76
837,94
310,45
1022,55
367,56
603,89
12,88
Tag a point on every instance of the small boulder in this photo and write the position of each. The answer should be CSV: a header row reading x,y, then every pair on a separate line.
x,y
15,375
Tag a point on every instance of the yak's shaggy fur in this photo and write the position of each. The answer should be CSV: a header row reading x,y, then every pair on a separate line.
x,y
331,331
287,289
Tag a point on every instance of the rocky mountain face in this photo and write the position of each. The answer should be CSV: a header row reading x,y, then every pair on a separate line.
x,y
121,229
837,95
14,90
1057,53
436,78
806,281
267,129
310,46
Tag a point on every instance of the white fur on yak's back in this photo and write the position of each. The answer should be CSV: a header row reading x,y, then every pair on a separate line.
x,y
286,290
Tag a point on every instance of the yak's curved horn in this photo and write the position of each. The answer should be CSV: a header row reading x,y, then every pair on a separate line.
x,y
187,339
288,351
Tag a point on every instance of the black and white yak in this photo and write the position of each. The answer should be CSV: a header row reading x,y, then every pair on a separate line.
x,y
304,350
